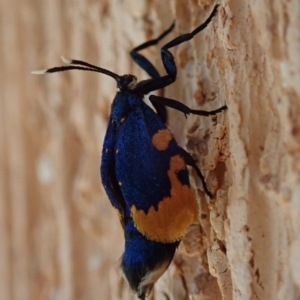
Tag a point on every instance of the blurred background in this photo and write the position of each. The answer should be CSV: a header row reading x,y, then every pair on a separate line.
x,y
60,239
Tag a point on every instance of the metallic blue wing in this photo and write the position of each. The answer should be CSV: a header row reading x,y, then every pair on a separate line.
x,y
144,173
107,171
142,169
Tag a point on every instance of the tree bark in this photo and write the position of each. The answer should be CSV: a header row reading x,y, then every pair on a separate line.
x,y
60,237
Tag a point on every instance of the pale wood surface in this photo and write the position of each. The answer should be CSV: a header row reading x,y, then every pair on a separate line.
x,y
60,238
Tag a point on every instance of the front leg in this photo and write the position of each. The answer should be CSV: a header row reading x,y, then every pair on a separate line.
x,y
148,86
148,67
141,60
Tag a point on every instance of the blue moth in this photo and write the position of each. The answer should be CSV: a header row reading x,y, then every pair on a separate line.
x,y
143,169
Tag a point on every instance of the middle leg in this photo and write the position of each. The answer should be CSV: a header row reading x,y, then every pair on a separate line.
x,y
183,108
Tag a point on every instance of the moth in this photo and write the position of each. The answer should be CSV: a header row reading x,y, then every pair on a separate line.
x,y
143,169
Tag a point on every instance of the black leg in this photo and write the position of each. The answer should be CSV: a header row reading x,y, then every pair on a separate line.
x,y
147,66
183,108
191,162
188,36
156,83
142,61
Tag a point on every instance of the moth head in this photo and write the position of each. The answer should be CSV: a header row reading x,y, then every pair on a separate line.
x,y
127,81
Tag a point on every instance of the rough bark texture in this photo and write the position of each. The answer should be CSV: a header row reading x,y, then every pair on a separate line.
x,y
60,238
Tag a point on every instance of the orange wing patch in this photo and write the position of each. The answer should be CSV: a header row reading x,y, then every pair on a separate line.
x,y
161,139
175,213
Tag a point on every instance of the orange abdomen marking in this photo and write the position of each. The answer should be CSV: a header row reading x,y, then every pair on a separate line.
x,y
175,213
